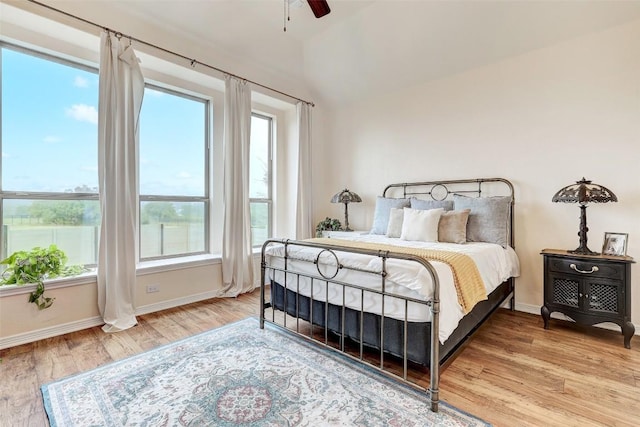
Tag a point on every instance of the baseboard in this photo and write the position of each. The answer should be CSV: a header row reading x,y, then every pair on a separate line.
x,y
535,309
53,331
163,305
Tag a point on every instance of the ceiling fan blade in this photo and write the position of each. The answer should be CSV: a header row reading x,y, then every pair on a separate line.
x,y
320,8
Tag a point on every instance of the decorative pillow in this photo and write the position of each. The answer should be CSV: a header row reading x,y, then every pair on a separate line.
x,y
453,226
381,214
489,218
447,205
396,216
422,225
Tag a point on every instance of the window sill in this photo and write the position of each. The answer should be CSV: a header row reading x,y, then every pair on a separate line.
x,y
60,282
170,264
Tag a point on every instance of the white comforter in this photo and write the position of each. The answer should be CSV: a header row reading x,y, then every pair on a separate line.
x,y
406,278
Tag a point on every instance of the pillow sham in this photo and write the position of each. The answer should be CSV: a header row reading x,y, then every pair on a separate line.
x,y
488,220
452,227
381,214
396,217
447,205
421,225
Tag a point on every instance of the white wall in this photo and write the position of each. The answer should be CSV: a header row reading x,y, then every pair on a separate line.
x,y
542,120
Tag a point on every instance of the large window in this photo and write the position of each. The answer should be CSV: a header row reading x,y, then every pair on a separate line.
x,y
260,177
173,161
49,179
49,165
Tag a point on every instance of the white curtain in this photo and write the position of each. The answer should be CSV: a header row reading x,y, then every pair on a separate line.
x,y
237,257
121,92
304,209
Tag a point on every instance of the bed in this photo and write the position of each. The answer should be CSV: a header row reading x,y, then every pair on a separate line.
x,y
439,259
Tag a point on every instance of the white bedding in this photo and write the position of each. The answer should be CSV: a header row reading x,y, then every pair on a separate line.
x,y
406,278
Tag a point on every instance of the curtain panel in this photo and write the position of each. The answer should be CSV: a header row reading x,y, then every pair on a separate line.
x,y
121,89
237,251
304,203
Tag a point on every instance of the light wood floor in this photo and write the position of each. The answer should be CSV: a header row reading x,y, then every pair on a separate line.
x,y
511,373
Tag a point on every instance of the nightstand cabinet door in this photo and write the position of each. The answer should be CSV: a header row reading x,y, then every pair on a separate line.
x,y
605,298
593,295
589,289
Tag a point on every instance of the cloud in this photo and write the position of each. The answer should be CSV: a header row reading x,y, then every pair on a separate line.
x,y
80,81
184,175
5,155
50,139
83,113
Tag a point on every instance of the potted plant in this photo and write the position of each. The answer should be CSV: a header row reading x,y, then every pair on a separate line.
x,y
327,224
33,267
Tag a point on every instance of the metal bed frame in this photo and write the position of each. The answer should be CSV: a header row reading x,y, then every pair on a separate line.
x,y
437,190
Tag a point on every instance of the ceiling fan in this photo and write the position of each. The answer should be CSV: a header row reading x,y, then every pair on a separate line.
x,y
319,8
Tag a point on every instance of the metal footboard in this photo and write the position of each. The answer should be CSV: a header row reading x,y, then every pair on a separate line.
x,y
324,277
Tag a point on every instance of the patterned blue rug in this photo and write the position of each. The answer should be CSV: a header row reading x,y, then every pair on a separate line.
x,y
241,375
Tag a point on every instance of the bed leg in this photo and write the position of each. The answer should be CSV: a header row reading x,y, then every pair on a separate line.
x,y
435,398
512,301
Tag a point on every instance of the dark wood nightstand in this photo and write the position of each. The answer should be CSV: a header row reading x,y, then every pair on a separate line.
x,y
590,289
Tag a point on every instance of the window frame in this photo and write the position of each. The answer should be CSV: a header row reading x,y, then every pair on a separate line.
x,y
205,198
39,195
269,199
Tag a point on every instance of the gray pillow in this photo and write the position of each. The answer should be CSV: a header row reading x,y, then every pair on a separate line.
x,y
381,214
489,218
447,205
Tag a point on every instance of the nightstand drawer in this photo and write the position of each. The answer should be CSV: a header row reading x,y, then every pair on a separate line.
x,y
595,268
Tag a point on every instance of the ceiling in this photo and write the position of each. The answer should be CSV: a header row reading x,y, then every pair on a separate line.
x,y
362,47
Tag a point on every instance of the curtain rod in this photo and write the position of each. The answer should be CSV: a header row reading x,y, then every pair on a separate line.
x,y
192,62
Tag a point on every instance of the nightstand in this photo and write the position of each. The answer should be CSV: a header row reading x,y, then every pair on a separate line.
x,y
590,289
341,233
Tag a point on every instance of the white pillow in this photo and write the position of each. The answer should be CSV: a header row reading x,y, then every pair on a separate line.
x,y
394,229
421,225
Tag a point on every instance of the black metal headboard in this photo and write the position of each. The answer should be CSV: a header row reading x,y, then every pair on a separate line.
x,y
441,190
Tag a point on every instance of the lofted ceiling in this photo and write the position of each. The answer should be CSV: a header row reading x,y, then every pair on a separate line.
x,y
361,47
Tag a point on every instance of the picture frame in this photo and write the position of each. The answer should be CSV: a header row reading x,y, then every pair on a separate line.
x,y
615,244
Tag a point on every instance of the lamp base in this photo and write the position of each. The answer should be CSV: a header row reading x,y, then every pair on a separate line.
x,y
583,251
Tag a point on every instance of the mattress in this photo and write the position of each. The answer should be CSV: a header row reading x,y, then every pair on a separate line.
x,y
404,279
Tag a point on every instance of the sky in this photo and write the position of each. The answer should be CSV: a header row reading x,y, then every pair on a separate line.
x,y
49,132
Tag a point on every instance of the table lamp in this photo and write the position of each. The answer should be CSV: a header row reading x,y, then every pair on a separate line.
x,y
583,192
345,196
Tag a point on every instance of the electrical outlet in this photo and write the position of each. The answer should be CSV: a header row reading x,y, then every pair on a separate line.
x,y
153,288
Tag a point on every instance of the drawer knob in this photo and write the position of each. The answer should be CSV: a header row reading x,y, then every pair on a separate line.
x,y
593,269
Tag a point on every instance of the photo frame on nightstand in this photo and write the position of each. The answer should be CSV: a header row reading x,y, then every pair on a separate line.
x,y
615,244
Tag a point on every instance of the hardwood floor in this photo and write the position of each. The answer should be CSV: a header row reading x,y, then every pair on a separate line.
x,y
511,373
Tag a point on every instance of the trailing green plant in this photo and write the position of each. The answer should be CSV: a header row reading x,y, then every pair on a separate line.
x,y
328,224
34,267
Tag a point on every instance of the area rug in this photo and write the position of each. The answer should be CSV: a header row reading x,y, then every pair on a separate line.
x,y
238,375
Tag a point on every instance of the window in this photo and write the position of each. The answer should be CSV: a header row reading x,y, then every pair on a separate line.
x,y
260,178
49,179
174,166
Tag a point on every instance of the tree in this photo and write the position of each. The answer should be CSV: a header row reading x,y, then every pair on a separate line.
x,y
155,212
65,212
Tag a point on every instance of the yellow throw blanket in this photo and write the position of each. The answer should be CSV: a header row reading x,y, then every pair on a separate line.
x,y
466,277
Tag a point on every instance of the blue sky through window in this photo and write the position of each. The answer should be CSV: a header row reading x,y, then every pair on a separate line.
x,y
50,125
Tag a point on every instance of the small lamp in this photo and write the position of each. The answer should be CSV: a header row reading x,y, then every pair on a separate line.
x,y
346,197
584,192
